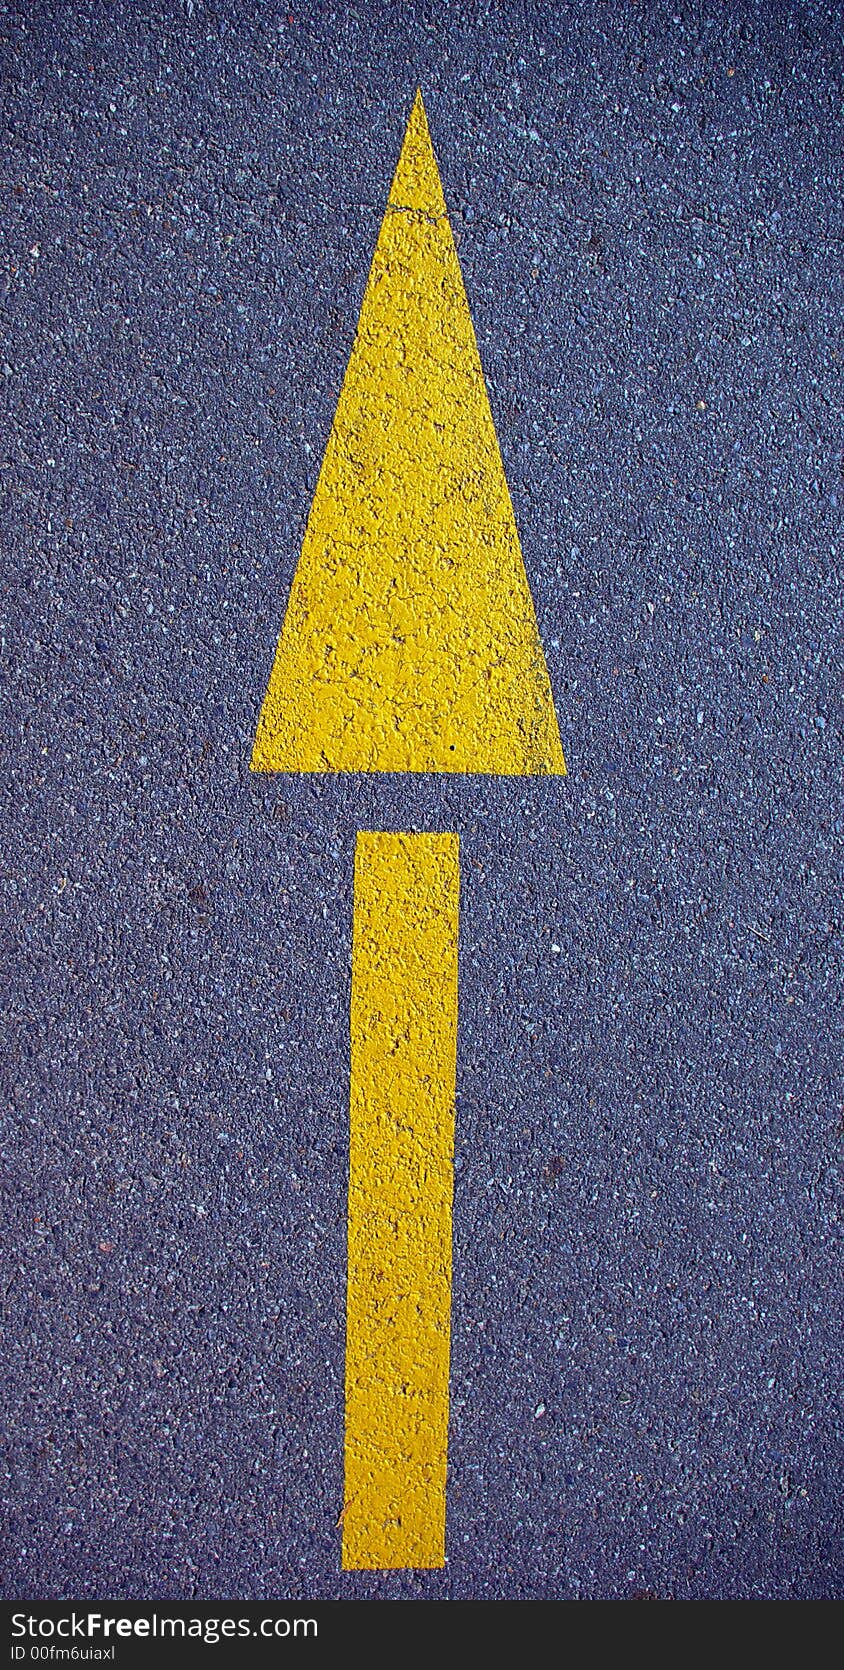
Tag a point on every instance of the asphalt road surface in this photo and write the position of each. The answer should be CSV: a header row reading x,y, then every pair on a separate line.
x,y
646,1361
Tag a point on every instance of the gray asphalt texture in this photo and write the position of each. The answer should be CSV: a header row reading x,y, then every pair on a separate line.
x,y
646,1347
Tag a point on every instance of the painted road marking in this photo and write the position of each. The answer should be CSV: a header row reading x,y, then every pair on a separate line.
x,y
409,643
410,640
398,1306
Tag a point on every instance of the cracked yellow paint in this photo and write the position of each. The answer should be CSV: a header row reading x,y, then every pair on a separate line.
x,y
403,1053
410,641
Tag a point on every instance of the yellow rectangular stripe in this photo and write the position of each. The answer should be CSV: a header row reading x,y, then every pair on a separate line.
x,y
398,1307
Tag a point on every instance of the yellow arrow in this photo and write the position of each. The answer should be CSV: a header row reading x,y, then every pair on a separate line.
x,y
409,644
410,640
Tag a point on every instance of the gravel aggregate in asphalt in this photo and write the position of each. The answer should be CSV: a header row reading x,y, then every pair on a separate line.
x,y
646,1364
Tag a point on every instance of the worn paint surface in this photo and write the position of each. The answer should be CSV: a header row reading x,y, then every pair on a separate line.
x,y
403,1054
410,641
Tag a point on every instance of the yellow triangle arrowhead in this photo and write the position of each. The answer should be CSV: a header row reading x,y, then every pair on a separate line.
x,y
410,641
